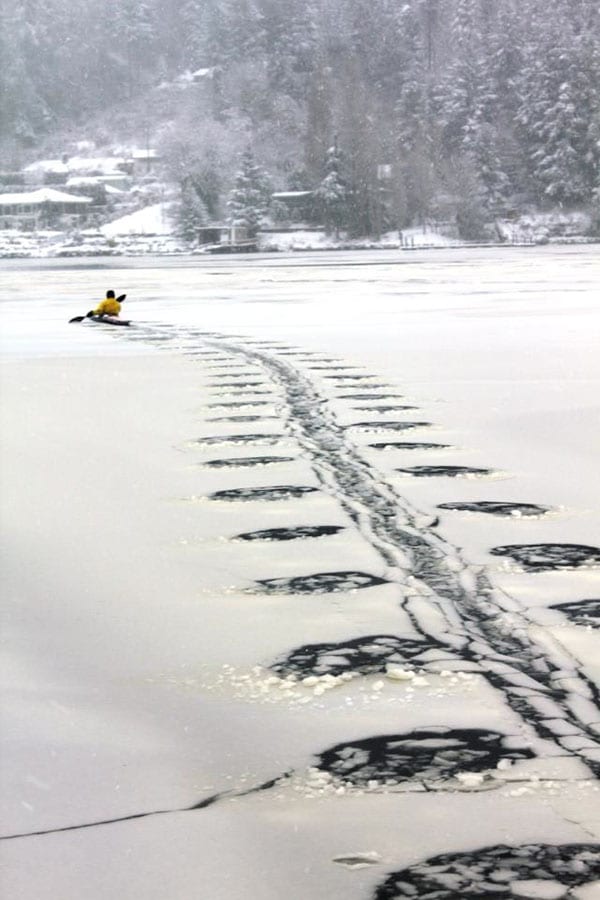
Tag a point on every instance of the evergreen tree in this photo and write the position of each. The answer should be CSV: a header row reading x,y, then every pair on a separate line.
x,y
291,38
412,105
248,201
247,31
193,19
332,193
462,90
319,104
191,212
209,33
471,106
417,137
560,101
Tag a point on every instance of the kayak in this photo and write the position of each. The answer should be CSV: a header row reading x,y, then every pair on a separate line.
x,y
109,320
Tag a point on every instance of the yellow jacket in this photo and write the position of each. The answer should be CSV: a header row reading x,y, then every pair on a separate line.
x,y
108,307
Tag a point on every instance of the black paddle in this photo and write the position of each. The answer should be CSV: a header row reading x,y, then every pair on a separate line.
x,y
91,312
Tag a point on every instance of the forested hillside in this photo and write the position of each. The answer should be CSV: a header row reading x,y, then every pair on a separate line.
x,y
433,107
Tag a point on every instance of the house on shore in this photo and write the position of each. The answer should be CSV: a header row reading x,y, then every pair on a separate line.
x,y
114,170
43,208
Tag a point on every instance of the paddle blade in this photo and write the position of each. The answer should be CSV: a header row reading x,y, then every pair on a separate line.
x,y
81,318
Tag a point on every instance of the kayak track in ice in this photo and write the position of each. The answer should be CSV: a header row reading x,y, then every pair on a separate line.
x,y
453,606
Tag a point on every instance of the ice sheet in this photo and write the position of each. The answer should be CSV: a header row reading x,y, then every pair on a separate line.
x,y
140,632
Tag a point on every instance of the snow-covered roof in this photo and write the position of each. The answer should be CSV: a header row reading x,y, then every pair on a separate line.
x,y
84,181
291,195
43,195
55,166
105,165
82,164
144,154
87,181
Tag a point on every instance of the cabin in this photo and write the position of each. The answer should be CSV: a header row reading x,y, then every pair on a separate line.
x,y
43,208
225,238
96,187
46,171
293,206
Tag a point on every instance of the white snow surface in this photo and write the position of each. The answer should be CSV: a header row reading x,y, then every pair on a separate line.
x,y
106,165
42,195
153,219
137,644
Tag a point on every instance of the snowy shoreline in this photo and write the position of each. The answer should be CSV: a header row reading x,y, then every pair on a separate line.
x,y
148,232
149,247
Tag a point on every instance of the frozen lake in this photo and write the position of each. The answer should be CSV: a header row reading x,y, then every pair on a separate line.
x,y
302,576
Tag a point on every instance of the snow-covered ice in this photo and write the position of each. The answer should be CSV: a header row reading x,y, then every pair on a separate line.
x,y
305,674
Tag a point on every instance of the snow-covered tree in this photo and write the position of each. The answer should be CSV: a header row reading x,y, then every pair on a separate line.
x,y
290,33
471,105
317,130
249,198
193,35
559,104
332,193
415,118
133,28
190,212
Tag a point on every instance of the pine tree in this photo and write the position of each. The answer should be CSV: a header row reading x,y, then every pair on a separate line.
x,y
247,31
209,33
471,107
560,101
192,17
291,38
191,212
332,193
248,201
461,90
319,103
416,130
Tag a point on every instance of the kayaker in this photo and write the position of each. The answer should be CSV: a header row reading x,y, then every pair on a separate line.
x,y
110,306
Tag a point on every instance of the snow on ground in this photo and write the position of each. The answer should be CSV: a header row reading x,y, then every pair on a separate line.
x,y
540,227
152,220
383,710
150,231
308,239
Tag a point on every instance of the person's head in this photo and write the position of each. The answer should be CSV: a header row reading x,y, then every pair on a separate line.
x,y
110,295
